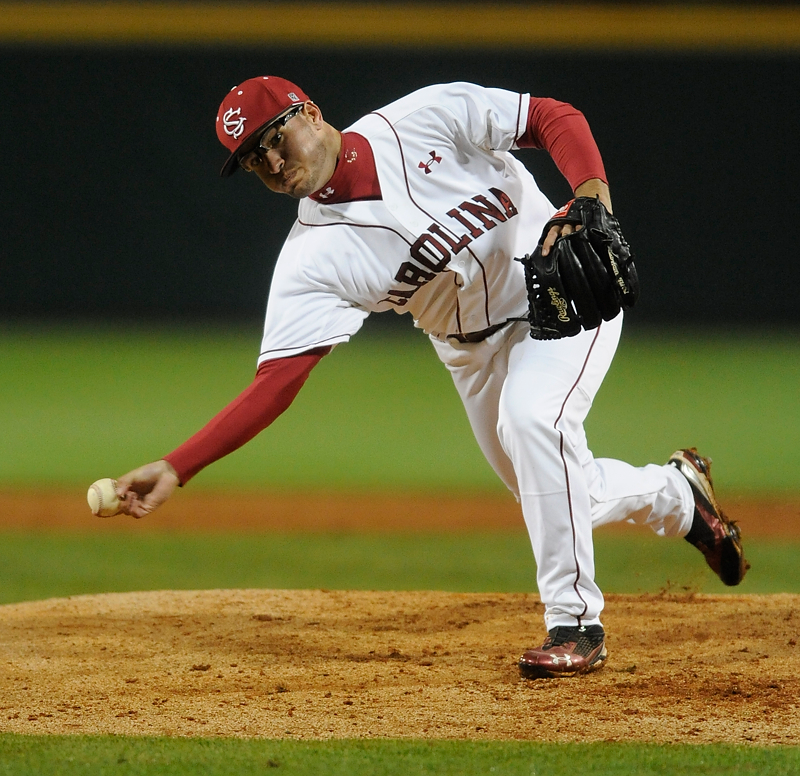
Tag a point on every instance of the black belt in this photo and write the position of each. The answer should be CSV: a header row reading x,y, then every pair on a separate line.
x,y
477,336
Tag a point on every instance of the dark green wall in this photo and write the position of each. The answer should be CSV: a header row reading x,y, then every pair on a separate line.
x,y
110,201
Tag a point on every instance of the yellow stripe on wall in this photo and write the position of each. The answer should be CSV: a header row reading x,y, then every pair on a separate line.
x,y
499,26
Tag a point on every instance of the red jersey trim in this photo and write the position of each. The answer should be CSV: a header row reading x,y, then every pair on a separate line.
x,y
355,177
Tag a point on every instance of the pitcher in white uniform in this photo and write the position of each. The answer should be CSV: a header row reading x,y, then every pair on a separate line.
x,y
421,207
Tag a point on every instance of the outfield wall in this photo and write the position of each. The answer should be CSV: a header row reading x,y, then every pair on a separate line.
x,y
110,187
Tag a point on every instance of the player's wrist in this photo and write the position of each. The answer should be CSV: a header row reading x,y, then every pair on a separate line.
x,y
170,468
595,187
173,467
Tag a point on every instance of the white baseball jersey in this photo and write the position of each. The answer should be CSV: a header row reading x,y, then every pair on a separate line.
x,y
456,209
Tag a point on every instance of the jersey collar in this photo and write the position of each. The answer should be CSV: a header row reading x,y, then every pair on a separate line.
x,y
355,177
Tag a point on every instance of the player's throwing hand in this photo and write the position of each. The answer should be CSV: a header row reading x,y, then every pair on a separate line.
x,y
146,488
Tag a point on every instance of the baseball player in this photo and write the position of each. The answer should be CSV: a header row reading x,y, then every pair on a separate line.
x,y
421,207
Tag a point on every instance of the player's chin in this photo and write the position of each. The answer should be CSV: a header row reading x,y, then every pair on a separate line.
x,y
300,183
295,192
299,189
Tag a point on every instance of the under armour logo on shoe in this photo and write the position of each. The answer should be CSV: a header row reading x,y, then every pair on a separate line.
x,y
427,165
234,122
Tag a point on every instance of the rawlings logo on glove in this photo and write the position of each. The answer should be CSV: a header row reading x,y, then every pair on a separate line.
x,y
588,276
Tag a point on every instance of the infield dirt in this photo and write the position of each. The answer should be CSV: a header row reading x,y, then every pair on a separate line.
x,y
334,664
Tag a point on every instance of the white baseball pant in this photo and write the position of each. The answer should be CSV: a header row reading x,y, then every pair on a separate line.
x,y
527,401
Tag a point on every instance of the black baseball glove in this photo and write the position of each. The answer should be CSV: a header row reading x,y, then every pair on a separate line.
x,y
588,276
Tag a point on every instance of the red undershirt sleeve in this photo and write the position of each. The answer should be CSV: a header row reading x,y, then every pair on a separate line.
x,y
274,388
564,133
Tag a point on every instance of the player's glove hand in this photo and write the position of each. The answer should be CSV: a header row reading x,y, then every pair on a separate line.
x,y
587,277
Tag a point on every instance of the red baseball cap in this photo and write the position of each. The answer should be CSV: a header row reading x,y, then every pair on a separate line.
x,y
247,111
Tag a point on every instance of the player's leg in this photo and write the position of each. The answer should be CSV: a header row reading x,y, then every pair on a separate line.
x,y
540,451
676,499
546,397
652,495
479,371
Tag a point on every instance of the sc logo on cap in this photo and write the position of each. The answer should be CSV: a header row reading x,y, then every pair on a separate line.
x,y
233,122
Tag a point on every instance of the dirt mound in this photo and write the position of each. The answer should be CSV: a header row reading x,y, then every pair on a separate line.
x,y
330,664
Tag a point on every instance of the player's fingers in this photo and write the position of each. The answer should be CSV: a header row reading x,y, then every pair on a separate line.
x,y
135,507
559,230
127,496
132,503
128,503
140,512
550,240
122,486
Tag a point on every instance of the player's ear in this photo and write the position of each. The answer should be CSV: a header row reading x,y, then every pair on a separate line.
x,y
313,113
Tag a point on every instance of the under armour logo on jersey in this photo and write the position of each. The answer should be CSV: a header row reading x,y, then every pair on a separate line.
x,y
234,122
327,193
427,165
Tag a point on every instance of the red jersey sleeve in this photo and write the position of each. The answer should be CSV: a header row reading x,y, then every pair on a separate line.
x,y
564,133
274,388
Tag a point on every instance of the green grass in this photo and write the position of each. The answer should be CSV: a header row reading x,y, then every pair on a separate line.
x,y
47,565
128,756
379,413
77,404
731,395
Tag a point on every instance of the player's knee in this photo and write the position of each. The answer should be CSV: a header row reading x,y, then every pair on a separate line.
x,y
528,423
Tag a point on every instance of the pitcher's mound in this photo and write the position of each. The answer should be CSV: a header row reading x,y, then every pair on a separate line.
x,y
344,664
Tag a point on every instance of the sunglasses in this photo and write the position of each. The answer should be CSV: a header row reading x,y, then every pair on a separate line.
x,y
268,144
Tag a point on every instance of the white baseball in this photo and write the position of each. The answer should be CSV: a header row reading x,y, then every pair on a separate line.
x,y
102,498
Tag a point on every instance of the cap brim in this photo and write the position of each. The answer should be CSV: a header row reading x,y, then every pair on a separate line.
x,y
231,163
246,146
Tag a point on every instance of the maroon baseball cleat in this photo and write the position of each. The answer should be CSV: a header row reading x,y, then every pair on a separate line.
x,y
567,651
712,533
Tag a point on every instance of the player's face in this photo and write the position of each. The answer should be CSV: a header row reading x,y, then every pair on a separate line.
x,y
293,157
